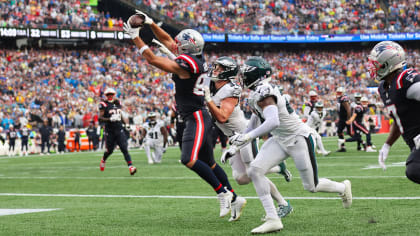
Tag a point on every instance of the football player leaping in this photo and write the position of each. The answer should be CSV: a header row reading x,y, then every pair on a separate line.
x,y
225,109
400,92
155,137
290,137
316,117
110,114
188,71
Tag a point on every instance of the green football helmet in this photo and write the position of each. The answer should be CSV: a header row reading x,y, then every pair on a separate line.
x,y
255,70
224,68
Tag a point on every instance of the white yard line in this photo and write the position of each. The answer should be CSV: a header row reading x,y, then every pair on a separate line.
x,y
4,212
182,177
190,197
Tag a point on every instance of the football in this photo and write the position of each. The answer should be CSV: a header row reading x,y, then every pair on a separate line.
x,y
136,20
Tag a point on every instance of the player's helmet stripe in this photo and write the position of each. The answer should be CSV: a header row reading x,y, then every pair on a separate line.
x,y
199,133
399,80
191,62
311,150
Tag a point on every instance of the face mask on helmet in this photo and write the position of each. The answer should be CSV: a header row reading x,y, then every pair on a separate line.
x,y
110,97
255,69
225,68
385,57
189,41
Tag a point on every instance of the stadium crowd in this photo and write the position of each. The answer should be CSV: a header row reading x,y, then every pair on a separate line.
x,y
233,16
293,16
55,14
65,86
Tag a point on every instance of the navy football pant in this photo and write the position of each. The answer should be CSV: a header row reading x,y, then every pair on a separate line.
x,y
116,138
412,170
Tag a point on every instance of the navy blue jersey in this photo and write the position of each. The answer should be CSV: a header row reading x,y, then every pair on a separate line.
x,y
109,109
24,132
342,112
404,111
12,134
189,93
360,112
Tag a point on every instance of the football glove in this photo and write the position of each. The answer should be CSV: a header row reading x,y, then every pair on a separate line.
x,y
417,141
133,32
147,19
228,154
383,155
239,140
207,95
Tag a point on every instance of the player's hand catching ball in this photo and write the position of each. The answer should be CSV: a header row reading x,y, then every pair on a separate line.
x,y
147,19
133,32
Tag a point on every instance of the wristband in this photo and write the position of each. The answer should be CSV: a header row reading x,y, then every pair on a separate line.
x,y
142,49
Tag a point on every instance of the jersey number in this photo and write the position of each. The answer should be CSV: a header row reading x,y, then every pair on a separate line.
x,y
153,135
199,86
393,110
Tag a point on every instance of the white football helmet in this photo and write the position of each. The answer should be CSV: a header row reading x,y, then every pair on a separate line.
x,y
189,41
385,57
152,118
110,91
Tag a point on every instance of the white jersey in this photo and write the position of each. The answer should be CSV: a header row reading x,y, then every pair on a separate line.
x,y
236,121
316,118
153,132
290,124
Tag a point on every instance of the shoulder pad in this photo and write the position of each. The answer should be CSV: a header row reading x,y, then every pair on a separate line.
x,y
190,63
264,90
102,105
232,90
358,108
407,78
344,99
308,104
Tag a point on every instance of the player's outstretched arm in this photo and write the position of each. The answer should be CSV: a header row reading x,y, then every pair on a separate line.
x,y
162,63
161,34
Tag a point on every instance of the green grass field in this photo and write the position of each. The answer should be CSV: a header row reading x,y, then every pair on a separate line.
x,y
169,199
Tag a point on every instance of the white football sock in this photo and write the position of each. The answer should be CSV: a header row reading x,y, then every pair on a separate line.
x,y
329,186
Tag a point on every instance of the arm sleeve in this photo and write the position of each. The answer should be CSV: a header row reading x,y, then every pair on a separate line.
x,y
413,92
252,123
271,122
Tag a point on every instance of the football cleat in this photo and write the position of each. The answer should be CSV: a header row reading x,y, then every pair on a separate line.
x,y
283,211
237,207
347,195
270,225
370,149
102,165
341,150
132,170
225,200
326,153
